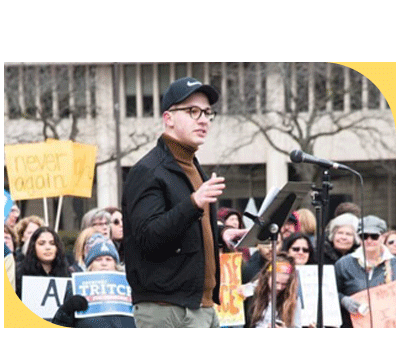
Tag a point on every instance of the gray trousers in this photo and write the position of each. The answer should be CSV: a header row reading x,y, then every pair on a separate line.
x,y
153,315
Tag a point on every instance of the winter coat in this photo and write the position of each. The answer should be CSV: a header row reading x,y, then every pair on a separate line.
x,y
351,277
163,241
65,316
331,255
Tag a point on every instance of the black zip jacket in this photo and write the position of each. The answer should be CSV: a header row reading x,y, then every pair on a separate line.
x,y
163,241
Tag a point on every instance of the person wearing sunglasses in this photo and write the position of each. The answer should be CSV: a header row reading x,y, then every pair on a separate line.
x,y
350,272
390,241
170,220
342,237
117,234
299,246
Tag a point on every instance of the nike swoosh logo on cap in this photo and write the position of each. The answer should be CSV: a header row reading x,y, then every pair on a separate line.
x,y
190,84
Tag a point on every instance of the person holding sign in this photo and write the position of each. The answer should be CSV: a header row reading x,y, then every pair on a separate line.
x,y
350,269
169,215
287,307
45,257
102,256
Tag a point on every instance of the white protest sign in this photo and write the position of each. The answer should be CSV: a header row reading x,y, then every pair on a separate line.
x,y
44,295
308,280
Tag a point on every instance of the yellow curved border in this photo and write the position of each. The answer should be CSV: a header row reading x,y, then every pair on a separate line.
x,y
382,74
16,314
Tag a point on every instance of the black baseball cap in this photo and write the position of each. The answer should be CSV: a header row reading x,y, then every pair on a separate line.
x,y
182,88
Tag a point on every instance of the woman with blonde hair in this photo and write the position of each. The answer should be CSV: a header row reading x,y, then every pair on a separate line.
x,y
79,250
308,222
287,308
24,230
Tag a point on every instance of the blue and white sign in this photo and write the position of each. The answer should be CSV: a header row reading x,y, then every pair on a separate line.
x,y
8,203
107,293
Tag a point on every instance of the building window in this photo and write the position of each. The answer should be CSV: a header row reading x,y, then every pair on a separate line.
x,y
337,83
11,82
130,86
147,85
49,91
302,78
320,88
355,89
373,96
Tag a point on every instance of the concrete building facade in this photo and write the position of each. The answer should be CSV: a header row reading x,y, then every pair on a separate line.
x,y
93,98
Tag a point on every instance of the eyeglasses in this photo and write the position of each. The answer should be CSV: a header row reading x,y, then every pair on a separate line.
x,y
196,112
116,222
298,248
391,242
365,236
101,224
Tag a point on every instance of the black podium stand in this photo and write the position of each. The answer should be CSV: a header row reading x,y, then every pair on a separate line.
x,y
267,225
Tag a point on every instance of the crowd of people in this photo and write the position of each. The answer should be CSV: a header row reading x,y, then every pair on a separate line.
x,y
38,251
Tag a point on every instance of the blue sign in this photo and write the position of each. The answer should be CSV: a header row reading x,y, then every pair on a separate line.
x,y
8,203
107,293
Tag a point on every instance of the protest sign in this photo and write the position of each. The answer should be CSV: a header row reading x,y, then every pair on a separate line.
x,y
50,169
107,293
44,295
308,282
8,203
83,173
39,170
84,161
231,310
383,304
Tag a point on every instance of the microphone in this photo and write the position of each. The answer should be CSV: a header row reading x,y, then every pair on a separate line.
x,y
297,156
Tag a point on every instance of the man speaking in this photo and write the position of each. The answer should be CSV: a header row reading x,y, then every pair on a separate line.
x,y
169,216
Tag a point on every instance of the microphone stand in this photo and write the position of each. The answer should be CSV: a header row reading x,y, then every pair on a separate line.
x,y
274,230
321,204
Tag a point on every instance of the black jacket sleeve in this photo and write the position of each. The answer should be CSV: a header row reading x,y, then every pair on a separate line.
x,y
158,224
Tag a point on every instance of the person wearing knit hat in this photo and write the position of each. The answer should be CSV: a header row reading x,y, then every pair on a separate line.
x,y
342,237
348,221
102,254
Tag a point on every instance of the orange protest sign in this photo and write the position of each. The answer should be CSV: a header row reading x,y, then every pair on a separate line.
x,y
84,164
383,303
39,170
231,310
84,161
